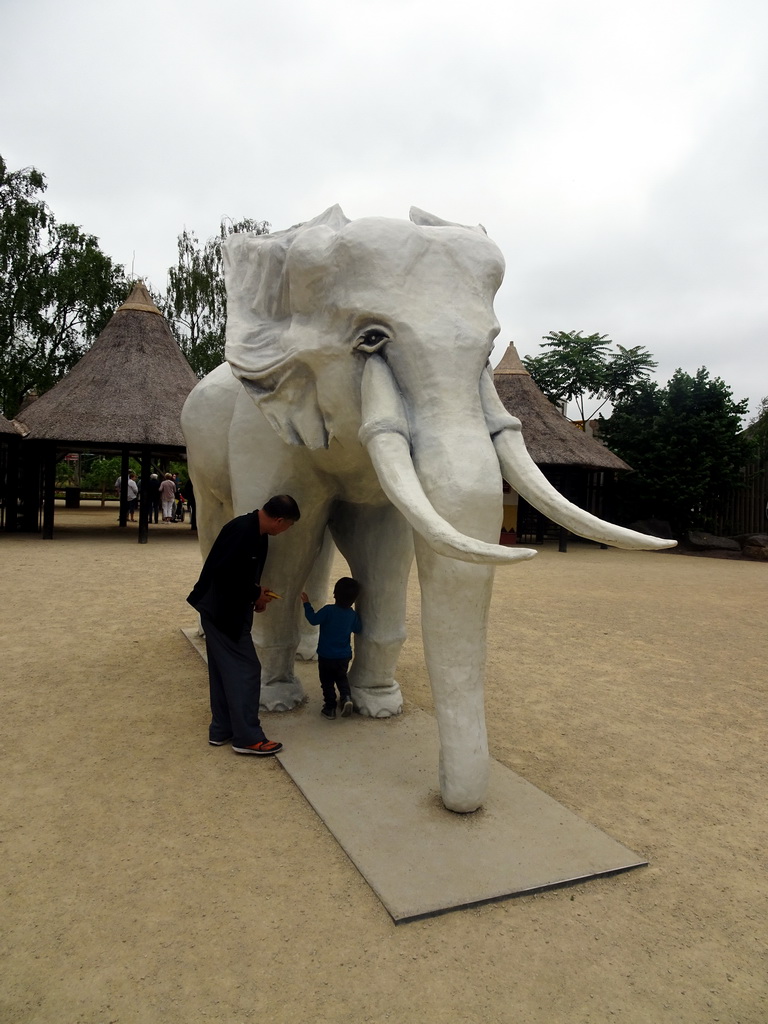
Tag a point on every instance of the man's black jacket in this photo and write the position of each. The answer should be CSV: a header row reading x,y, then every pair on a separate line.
x,y
230,577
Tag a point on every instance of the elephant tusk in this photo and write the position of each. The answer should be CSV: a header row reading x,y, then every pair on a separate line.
x,y
385,435
522,473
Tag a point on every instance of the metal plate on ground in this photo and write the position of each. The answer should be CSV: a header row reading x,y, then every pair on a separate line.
x,y
374,784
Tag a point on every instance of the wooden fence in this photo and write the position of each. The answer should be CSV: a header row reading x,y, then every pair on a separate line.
x,y
744,509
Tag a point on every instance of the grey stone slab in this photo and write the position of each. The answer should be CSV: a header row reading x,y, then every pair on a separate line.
x,y
374,784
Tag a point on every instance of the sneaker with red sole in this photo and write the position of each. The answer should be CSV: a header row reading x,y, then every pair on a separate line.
x,y
264,748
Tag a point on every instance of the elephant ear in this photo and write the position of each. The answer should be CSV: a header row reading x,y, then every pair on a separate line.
x,y
429,220
258,319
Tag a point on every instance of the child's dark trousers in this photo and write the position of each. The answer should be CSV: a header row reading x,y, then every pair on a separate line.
x,y
333,673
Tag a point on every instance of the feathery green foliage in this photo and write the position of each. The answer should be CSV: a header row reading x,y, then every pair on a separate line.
x,y
57,290
195,303
578,369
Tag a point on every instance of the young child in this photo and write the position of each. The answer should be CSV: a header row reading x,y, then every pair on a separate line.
x,y
334,650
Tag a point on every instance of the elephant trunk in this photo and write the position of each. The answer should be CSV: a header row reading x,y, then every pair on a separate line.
x,y
455,598
450,482
386,436
456,464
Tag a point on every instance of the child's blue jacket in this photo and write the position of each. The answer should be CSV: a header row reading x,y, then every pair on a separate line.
x,y
336,625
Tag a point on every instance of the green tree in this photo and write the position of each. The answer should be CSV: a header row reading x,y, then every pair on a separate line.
x,y
757,431
57,289
102,473
195,299
579,369
685,444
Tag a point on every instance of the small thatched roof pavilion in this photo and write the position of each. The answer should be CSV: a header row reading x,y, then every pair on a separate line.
x,y
580,467
128,388
124,395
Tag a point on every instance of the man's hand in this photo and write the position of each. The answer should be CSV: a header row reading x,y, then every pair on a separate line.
x,y
263,601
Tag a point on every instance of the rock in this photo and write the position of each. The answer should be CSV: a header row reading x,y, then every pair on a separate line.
x,y
708,542
754,540
755,546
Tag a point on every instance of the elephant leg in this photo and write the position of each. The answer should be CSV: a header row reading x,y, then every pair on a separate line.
x,y
377,543
205,420
213,512
276,630
317,588
455,597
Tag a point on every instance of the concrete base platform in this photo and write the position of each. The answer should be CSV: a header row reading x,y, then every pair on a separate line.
x,y
374,784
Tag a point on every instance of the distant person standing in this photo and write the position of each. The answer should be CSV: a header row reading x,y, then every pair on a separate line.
x,y
168,497
132,500
153,497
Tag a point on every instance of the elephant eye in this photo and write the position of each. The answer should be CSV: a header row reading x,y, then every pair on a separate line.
x,y
371,340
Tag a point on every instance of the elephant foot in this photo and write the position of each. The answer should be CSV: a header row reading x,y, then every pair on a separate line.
x,y
308,651
464,780
377,701
283,696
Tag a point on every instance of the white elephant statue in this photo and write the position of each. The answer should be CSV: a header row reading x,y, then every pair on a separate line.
x,y
357,380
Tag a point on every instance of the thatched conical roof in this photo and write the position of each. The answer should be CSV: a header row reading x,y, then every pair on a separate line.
x,y
128,389
551,439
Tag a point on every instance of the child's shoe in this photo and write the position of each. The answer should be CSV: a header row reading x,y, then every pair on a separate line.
x,y
345,703
328,711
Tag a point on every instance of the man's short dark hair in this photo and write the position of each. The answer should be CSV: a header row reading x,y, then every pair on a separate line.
x,y
282,506
346,591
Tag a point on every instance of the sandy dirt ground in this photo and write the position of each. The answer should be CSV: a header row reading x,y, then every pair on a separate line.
x,y
148,878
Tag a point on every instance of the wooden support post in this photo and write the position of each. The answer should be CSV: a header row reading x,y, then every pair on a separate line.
x,y
146,469
49,486
12,487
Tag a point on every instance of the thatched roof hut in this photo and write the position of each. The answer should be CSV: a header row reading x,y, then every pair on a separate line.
x,y
125,395
551,439
581,468
128,388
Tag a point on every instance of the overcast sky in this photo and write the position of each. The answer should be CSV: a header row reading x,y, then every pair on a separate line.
x,y
616,151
